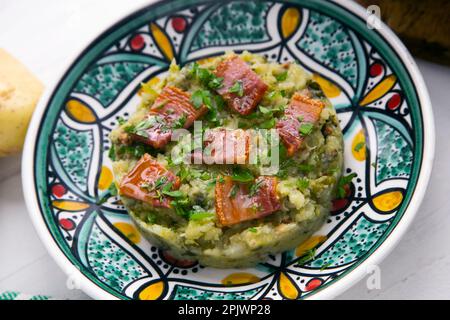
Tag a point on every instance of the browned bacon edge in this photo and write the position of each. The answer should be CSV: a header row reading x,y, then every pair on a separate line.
x,y
235,69
301,110
235,206
171,105
145,173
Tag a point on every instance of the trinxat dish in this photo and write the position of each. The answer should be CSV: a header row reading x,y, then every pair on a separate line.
x,y
209,202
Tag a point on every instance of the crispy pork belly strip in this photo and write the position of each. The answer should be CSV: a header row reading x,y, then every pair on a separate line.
x,y
141,183
171,107
302,110
224,146
234,70
235,203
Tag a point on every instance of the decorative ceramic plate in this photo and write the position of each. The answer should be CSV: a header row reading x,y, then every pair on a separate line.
x,y
367,74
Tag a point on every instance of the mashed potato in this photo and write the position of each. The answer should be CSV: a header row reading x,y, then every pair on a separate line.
x,y
306,180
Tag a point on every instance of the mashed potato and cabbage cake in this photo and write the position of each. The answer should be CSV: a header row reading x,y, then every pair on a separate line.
x,y
211,199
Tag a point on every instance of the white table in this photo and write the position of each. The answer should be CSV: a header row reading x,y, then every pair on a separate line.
x,y
44,33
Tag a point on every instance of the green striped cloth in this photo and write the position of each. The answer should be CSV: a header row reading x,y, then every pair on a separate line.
x,y
13,295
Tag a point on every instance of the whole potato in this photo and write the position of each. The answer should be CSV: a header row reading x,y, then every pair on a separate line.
x,y
19,92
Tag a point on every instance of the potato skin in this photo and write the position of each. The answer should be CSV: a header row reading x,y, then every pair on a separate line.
x,y
20,91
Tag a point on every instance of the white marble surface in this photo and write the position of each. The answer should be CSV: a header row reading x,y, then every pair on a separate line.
x,y
45,33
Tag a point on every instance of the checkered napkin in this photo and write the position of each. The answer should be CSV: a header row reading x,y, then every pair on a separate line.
x,y
13,295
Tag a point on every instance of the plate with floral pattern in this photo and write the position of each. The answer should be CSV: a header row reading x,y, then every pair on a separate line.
x,y
368,75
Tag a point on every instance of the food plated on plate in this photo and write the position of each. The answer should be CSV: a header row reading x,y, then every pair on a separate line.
x,y
384,113
211,203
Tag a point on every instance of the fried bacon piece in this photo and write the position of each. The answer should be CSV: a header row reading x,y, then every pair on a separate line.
x,y
171,110
242,88
224,146
302,110
238,202
145,181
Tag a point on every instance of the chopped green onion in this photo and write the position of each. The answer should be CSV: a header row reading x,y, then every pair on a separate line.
x,y
359,146
242,175
200,215
237,88
305,167
268,124
306,128
303,183
282,76
345,180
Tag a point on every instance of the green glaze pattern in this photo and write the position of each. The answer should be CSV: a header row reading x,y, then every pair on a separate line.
x,y
234,23
73,172
394,154
329,42
352,245
74,149
189,293
105,82
110,262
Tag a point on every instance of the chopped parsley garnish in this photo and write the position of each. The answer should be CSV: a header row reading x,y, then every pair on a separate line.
x,y
268,124
306,128
302,183
254,188
242,175
264,110
205,176
325,266
173,194
179,123
200,215
179,207
130,128
183,174
344,181
359,146
197,98
112,152
282,76
160,182
206,77
252,229
111,192
162,104
237,88
121,120
147,88
146,124
284,168
215,83
306,257
151,218
136,150
305,167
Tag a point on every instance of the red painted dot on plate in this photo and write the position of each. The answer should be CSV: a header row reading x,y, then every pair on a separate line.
x,y
313,284
178,262
395,101
376,69
137,42
67,224
179,24
339,204
58,190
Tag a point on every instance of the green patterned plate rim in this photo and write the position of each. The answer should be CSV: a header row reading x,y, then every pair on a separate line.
x,y
371,79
